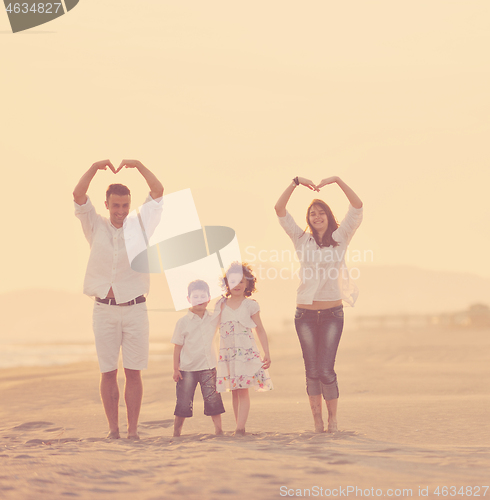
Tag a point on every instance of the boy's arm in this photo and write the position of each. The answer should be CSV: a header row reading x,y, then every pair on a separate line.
x,y
263,339
177,375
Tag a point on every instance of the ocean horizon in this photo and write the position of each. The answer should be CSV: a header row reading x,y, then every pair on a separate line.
x,y
57,354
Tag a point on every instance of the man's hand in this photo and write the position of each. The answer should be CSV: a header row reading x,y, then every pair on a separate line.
x,y
103,164
177,375
129,164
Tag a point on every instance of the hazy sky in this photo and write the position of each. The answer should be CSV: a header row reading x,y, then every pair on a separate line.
x,y
232,100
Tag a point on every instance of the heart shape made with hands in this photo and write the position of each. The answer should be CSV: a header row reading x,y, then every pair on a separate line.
x,y
316,187
105,164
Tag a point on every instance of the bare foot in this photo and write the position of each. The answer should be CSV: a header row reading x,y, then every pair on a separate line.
x,y
176,434
113,435
218,432
332,426
134,437
319,426
239,432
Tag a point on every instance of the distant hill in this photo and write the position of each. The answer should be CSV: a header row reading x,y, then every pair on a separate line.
x,y
59,316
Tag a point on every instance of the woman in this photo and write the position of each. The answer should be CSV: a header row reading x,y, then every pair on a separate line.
x,y
319,317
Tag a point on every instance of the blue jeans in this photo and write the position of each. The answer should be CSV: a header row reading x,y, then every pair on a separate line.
x,y
186,386
319,334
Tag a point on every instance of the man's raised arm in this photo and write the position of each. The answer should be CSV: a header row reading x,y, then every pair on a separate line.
x,y
80,191
156,188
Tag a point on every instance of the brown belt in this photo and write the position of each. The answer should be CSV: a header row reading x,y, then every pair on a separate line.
x,y
112,302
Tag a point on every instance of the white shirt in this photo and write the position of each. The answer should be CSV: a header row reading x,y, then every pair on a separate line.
x,y
108,265
196,336
324,275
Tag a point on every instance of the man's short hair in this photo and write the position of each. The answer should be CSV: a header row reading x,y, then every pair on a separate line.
x,y
198,285
117,189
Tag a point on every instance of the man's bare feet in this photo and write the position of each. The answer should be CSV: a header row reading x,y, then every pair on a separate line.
x,y
134,437
319,426
218,432
113,435
239,432
332,426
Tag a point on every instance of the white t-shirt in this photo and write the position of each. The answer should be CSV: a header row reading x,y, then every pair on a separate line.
x,y
324,275
196,335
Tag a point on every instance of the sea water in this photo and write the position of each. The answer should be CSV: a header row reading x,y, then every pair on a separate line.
x,y
24,355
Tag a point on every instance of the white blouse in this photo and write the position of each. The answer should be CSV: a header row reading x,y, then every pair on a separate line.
x,y
324,275
243,314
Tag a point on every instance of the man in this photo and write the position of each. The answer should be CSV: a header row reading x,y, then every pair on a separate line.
x,y
120,315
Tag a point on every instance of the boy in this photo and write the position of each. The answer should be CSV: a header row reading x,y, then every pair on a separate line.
x,y
194,359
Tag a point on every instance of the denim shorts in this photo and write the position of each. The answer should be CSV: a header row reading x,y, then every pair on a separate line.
x,y
319,333
186,386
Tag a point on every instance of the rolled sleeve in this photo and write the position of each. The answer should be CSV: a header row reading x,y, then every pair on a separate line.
x,y
151,213
88,217
349,225
292,229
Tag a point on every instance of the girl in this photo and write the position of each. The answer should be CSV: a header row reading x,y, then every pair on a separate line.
x,y
319,317
239,364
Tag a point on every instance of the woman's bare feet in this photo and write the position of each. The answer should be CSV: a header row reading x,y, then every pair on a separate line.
x,y
316,410
332,415
113,435
239,432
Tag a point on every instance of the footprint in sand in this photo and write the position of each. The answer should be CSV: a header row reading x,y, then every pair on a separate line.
x,y
157,424
29,426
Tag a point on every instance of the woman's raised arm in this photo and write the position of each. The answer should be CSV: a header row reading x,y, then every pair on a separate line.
x,y
354,200
280,206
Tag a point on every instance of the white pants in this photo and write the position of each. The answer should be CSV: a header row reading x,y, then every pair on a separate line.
x,y
121,326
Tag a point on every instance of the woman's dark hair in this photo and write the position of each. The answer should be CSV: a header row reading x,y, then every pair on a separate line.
x,y
239,267
117,189
327,239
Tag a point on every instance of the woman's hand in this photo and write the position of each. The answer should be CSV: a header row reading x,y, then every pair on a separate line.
x,y
309,184
328,180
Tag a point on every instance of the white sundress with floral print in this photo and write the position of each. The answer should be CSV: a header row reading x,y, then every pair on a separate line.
x,y
239,363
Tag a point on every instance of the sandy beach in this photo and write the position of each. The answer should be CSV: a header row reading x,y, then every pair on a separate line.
x,y
413,414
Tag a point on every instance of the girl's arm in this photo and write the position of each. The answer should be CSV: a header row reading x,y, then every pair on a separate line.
x,y
280,206
354,200
177,375
263,339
